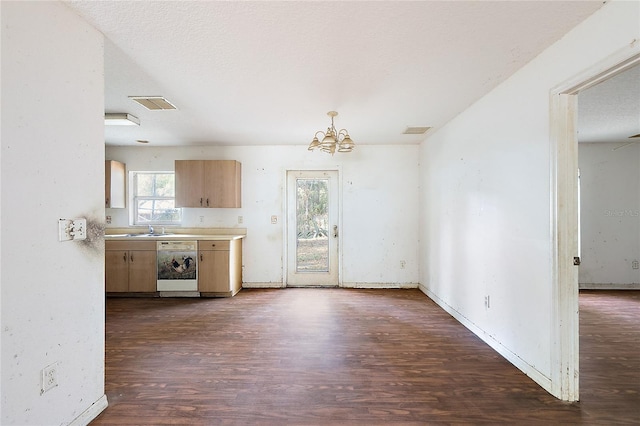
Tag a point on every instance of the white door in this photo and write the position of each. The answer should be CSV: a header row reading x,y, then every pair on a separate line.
x,y
312,228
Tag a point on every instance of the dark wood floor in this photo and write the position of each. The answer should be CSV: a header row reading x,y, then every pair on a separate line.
x,y
339,356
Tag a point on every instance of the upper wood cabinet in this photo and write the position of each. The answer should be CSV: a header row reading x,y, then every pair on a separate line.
x,y
208,183
114,184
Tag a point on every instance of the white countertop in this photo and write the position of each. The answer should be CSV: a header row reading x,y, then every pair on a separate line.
x,y
139,234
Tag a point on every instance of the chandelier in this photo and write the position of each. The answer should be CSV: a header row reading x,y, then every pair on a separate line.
x,y
332,140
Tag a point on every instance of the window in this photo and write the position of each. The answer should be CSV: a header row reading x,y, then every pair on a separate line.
x,y
154,199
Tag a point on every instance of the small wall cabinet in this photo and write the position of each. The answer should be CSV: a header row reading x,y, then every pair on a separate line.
x,y
114,184
130,266
219,268
208,183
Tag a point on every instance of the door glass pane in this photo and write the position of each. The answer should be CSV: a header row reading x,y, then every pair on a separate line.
x,y
312,225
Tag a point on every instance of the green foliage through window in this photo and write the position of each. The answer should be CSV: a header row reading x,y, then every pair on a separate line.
x,y
154,199
311,210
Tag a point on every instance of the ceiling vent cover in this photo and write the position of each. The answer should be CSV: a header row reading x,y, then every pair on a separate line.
x,y
153,103
416,130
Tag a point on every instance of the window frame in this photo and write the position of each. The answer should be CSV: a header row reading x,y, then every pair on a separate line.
x,y
135,198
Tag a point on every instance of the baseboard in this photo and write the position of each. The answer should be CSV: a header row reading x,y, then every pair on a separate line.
x,y
263,285
91,413
537,376
343,285
608,286
378,285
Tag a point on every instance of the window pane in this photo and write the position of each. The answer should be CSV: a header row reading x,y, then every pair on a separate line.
x,y
312,219
155,185
154,199
157,211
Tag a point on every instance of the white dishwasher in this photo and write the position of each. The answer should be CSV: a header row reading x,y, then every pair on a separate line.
x,y
177,266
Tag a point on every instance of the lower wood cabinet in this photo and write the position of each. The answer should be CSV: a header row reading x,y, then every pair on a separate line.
x,y
219,268
130,266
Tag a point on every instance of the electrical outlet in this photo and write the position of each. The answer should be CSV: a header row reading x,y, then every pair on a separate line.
x,y
635,264
240,219
49,377
487,302
274,219
201,219
403,264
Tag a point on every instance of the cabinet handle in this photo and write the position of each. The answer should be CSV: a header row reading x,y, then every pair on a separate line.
x,y
106,202
132,257
124,257
213,245
200,257
200,201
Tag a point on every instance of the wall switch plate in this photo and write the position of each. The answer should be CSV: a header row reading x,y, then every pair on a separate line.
x,y
72,229
240,219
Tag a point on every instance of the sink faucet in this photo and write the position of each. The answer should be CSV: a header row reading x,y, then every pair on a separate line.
x,y
150,229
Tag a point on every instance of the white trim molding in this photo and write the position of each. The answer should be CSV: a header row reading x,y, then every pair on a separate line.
x,y
379,285
564,217
609,286
263,285
91,413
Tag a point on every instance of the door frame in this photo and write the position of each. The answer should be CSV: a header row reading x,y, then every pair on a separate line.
x,y
285,227
564,217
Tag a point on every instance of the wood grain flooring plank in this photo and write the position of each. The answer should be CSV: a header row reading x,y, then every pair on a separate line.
x,y
349,356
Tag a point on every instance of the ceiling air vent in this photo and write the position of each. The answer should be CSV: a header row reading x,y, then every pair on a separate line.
x,y
416,130
153,103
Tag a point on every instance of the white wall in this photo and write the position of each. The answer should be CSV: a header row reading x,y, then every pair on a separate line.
x,y
379,206
485,198
610,215
52,156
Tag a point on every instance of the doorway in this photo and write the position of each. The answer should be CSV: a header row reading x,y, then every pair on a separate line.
x,y
312,228
564,218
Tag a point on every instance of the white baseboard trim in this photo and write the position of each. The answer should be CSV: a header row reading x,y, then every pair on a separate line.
x,y
343,285
263,285
91,413
608,286
378,285
537,376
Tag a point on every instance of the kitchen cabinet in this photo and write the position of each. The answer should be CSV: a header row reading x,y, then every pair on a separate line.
x,y
208,183
130,266
114,184
219,268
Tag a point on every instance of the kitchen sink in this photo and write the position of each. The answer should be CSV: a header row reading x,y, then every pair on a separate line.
x,y
148,235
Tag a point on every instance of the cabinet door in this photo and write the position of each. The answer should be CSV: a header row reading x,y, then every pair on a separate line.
x,y
116,271
142,271
189,183
222,183
114,184
213,271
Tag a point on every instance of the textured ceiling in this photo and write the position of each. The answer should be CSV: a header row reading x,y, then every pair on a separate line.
x,y
610,111
266,73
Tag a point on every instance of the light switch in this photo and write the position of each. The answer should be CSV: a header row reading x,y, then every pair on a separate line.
x,y
274,219
72,229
